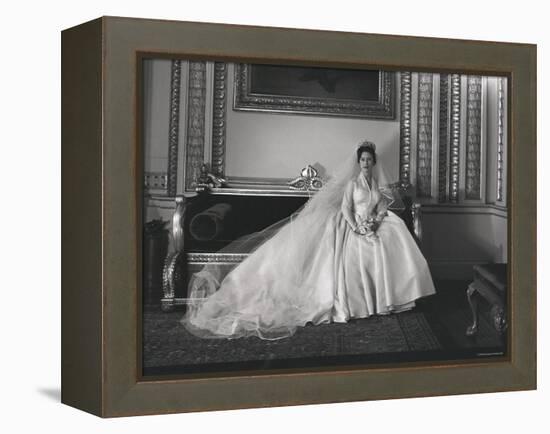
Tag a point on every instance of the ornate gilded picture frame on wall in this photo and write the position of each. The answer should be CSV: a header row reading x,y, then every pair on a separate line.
x,y
314,90
267,230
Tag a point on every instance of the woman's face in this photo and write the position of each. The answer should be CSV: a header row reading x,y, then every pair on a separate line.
x,y
366,162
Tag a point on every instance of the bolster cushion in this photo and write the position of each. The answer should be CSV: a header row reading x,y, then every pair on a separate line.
x,y
210,223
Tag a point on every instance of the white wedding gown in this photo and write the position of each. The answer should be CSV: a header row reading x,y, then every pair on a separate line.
x,y
315,272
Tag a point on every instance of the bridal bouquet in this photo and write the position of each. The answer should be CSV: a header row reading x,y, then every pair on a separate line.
x,y
368,228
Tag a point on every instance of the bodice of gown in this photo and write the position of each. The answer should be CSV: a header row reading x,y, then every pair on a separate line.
x,y
364,198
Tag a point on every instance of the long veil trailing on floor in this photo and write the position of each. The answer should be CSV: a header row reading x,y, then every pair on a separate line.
x,y
276,288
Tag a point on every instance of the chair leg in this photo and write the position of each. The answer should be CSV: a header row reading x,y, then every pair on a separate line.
x,y
472,300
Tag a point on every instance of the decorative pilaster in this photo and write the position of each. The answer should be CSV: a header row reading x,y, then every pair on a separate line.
x,y
219,119
195,123
473,143
405,129
443,135
500,139
424,135
173,137
454,139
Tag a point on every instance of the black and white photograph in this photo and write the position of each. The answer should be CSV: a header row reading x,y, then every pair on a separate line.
x,y
301,216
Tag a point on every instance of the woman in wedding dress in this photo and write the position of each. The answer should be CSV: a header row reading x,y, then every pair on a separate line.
x,y
344,255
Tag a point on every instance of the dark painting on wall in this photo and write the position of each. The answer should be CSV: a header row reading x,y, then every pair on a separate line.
x,y
297,81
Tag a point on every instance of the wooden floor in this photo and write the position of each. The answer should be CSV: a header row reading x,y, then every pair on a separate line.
x,y
449,315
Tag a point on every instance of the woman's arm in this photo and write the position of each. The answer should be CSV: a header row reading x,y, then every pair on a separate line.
x,y
381,209
347,206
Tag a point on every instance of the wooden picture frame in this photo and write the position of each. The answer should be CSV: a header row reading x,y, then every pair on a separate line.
x,y
102,199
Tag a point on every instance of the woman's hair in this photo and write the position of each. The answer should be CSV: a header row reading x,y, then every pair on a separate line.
x,y
366,147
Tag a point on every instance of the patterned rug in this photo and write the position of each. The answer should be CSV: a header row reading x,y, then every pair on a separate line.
x,y
166,343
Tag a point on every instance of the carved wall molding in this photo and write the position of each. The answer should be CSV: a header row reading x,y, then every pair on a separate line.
x,y
424,135
156,181
500,139
443,136
173,137
405,128
454,163
196,107
473,142
219,119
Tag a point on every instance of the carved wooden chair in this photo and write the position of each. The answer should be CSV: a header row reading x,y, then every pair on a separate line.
x,y
490,282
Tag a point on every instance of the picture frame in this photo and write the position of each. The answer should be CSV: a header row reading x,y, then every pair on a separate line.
x,y
101,187
307,90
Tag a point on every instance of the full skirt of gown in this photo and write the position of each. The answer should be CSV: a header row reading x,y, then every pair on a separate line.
x,y
298,277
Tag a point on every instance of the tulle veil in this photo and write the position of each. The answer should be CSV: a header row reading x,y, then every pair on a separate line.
x,y
285,249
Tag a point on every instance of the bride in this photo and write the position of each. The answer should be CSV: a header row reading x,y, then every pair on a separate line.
x,y
344,255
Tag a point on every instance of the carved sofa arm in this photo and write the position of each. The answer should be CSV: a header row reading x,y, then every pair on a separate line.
x,y
411,211
174,263
416,220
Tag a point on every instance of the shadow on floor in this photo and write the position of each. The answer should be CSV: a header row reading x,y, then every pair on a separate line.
x,y
51,393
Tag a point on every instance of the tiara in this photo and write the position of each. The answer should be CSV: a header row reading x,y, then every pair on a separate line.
x,y
368,144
